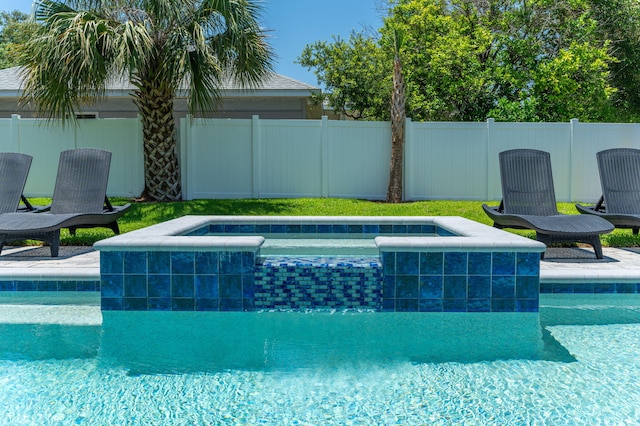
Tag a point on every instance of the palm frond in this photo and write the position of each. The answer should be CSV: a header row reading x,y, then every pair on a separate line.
x,y
173,42
240,45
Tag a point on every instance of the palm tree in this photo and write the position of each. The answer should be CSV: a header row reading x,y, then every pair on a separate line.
x,y
159,46
398,116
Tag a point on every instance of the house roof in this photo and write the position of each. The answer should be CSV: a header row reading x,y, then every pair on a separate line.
x,y
277,85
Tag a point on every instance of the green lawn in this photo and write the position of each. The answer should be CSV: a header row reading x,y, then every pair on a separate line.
x,y
145,214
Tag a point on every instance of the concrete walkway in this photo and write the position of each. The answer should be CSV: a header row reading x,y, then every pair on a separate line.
x,y
560,264
36,263
580,264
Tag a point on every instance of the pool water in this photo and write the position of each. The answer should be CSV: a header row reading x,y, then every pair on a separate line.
x,y
574,363
319,247
318,244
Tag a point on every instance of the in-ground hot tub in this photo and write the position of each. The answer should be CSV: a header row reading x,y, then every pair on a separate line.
x,y
388,264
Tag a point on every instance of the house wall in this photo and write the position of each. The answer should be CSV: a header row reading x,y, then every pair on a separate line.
x,y
257,158
272,108
241,107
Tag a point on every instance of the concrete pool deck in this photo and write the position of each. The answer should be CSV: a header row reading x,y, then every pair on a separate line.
x,y
559,265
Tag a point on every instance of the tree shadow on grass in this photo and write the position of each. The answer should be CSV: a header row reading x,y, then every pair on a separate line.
x,y
159,212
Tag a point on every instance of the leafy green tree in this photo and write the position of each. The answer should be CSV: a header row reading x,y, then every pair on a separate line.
x,y
15,29
574,84
524,60
559,71
471,59
619,22
355,73
158,46
447,59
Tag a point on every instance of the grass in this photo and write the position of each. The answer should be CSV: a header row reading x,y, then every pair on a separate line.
x,y
146,214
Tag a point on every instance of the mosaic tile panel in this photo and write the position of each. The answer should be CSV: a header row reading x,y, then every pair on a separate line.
x,y
318,283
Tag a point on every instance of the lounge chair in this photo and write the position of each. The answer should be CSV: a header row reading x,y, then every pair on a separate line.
x,y
79,201
619,170
529,202
14,169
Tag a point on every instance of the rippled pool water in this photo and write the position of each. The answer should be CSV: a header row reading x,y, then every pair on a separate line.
x,y
582,367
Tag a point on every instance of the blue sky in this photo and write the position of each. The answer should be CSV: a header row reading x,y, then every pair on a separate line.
x,y
293,24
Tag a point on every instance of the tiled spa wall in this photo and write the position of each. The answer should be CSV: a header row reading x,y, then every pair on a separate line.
x,y
460,281
397,281
177,281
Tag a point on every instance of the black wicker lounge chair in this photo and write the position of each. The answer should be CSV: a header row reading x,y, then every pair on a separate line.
x,y
79,201
529,202
14,169
619,170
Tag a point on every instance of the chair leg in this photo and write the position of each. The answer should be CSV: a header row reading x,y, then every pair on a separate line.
x,y
592,240
114,227
597,246
55,243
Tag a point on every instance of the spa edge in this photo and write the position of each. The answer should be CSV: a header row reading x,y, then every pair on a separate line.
x,y
460,266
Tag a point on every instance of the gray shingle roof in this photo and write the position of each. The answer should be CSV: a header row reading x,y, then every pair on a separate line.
x,y
11,84
10,79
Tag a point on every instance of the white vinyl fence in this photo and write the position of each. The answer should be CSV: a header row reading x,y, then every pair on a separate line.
x,y
44,141
254,158
293,158
285,158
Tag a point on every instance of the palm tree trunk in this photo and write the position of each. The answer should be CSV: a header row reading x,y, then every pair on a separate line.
x,y
398,114
161,167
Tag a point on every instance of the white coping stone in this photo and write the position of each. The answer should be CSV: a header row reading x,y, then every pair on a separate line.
x,y
50,274
471,236
579,265
34,263
582,275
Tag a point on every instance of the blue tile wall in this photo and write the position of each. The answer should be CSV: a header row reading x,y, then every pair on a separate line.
x,y
50,285
460,281
177,281
590,288
399,281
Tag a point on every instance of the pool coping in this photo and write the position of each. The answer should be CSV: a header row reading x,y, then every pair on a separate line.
x,y
580,276
470,235
50,274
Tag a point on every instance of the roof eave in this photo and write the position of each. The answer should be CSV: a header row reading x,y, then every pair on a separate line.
x,y
267,93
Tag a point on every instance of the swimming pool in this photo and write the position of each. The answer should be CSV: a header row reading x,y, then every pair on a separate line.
x,y
163,346
61,364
